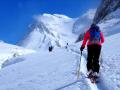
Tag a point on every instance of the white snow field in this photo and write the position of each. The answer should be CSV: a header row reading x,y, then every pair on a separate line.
x,y
57,70
111,62
44,71
8,51
38,69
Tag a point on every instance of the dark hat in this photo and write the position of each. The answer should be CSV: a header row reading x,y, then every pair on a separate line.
x,y
94,26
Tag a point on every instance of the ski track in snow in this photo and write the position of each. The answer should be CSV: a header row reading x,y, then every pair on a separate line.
x,y
68,75
83,77
98,86
69,81
84,71
41,71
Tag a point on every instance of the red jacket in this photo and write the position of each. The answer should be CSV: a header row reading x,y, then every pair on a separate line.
x,y
87,39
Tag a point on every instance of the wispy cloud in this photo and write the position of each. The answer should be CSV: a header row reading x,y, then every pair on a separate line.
x,y
89,14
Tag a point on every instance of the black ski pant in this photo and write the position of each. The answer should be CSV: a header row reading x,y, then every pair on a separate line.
x,y
93,57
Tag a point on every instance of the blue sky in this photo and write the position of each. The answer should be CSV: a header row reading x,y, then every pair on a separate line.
x,y
16,15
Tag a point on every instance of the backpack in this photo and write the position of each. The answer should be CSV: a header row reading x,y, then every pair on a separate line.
x,y
94,35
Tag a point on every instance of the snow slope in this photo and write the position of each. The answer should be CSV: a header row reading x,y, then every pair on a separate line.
x,y
56,70
83,22
49,30
106,7
111,62
58,30
111,24
48,71
8,51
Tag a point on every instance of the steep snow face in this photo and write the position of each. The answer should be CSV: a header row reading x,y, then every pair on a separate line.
x,y
51,72
54,30
83,22
58,30
8,51
105,8
111,24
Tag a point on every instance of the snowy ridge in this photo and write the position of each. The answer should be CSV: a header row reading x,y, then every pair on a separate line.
x,y
22,69
83,22
105,8
8,51
42,78
61,72
50,30
111,24
58,30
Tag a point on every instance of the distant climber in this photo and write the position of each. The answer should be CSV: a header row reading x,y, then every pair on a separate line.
x,y
66,46
50,48
94,39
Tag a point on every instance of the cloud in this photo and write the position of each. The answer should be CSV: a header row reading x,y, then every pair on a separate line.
x,y
89,14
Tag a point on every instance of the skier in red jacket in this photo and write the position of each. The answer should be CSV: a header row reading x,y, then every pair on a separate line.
x,y
94,39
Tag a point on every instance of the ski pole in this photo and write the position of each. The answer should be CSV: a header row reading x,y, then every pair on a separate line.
x,y
78,72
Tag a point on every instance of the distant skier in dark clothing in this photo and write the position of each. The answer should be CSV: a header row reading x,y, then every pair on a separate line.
x,y
94,39
66,46
50,48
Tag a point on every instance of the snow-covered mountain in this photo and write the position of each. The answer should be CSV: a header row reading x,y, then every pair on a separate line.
x,y
49,30
57,30
83,22
107,15
57,70
22,69
105,8
111,23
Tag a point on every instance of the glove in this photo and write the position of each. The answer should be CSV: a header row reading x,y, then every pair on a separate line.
x,y
81,49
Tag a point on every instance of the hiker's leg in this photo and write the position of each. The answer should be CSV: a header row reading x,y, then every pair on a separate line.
x,y
96,65
89,57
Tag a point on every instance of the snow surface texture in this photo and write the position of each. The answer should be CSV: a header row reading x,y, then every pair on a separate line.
x,y
8,51
48,71
56,70
111,61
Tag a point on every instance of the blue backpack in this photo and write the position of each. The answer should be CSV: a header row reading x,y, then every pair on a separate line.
x,y
94,35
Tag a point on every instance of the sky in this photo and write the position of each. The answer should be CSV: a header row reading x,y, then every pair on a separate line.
x,y
17,15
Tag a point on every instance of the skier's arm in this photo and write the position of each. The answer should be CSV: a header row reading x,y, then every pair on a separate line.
x,y
85,39
102,38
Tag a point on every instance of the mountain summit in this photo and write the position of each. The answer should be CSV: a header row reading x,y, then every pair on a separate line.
x,y
49,30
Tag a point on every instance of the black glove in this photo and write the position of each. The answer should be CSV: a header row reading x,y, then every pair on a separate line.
x,y
81,49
